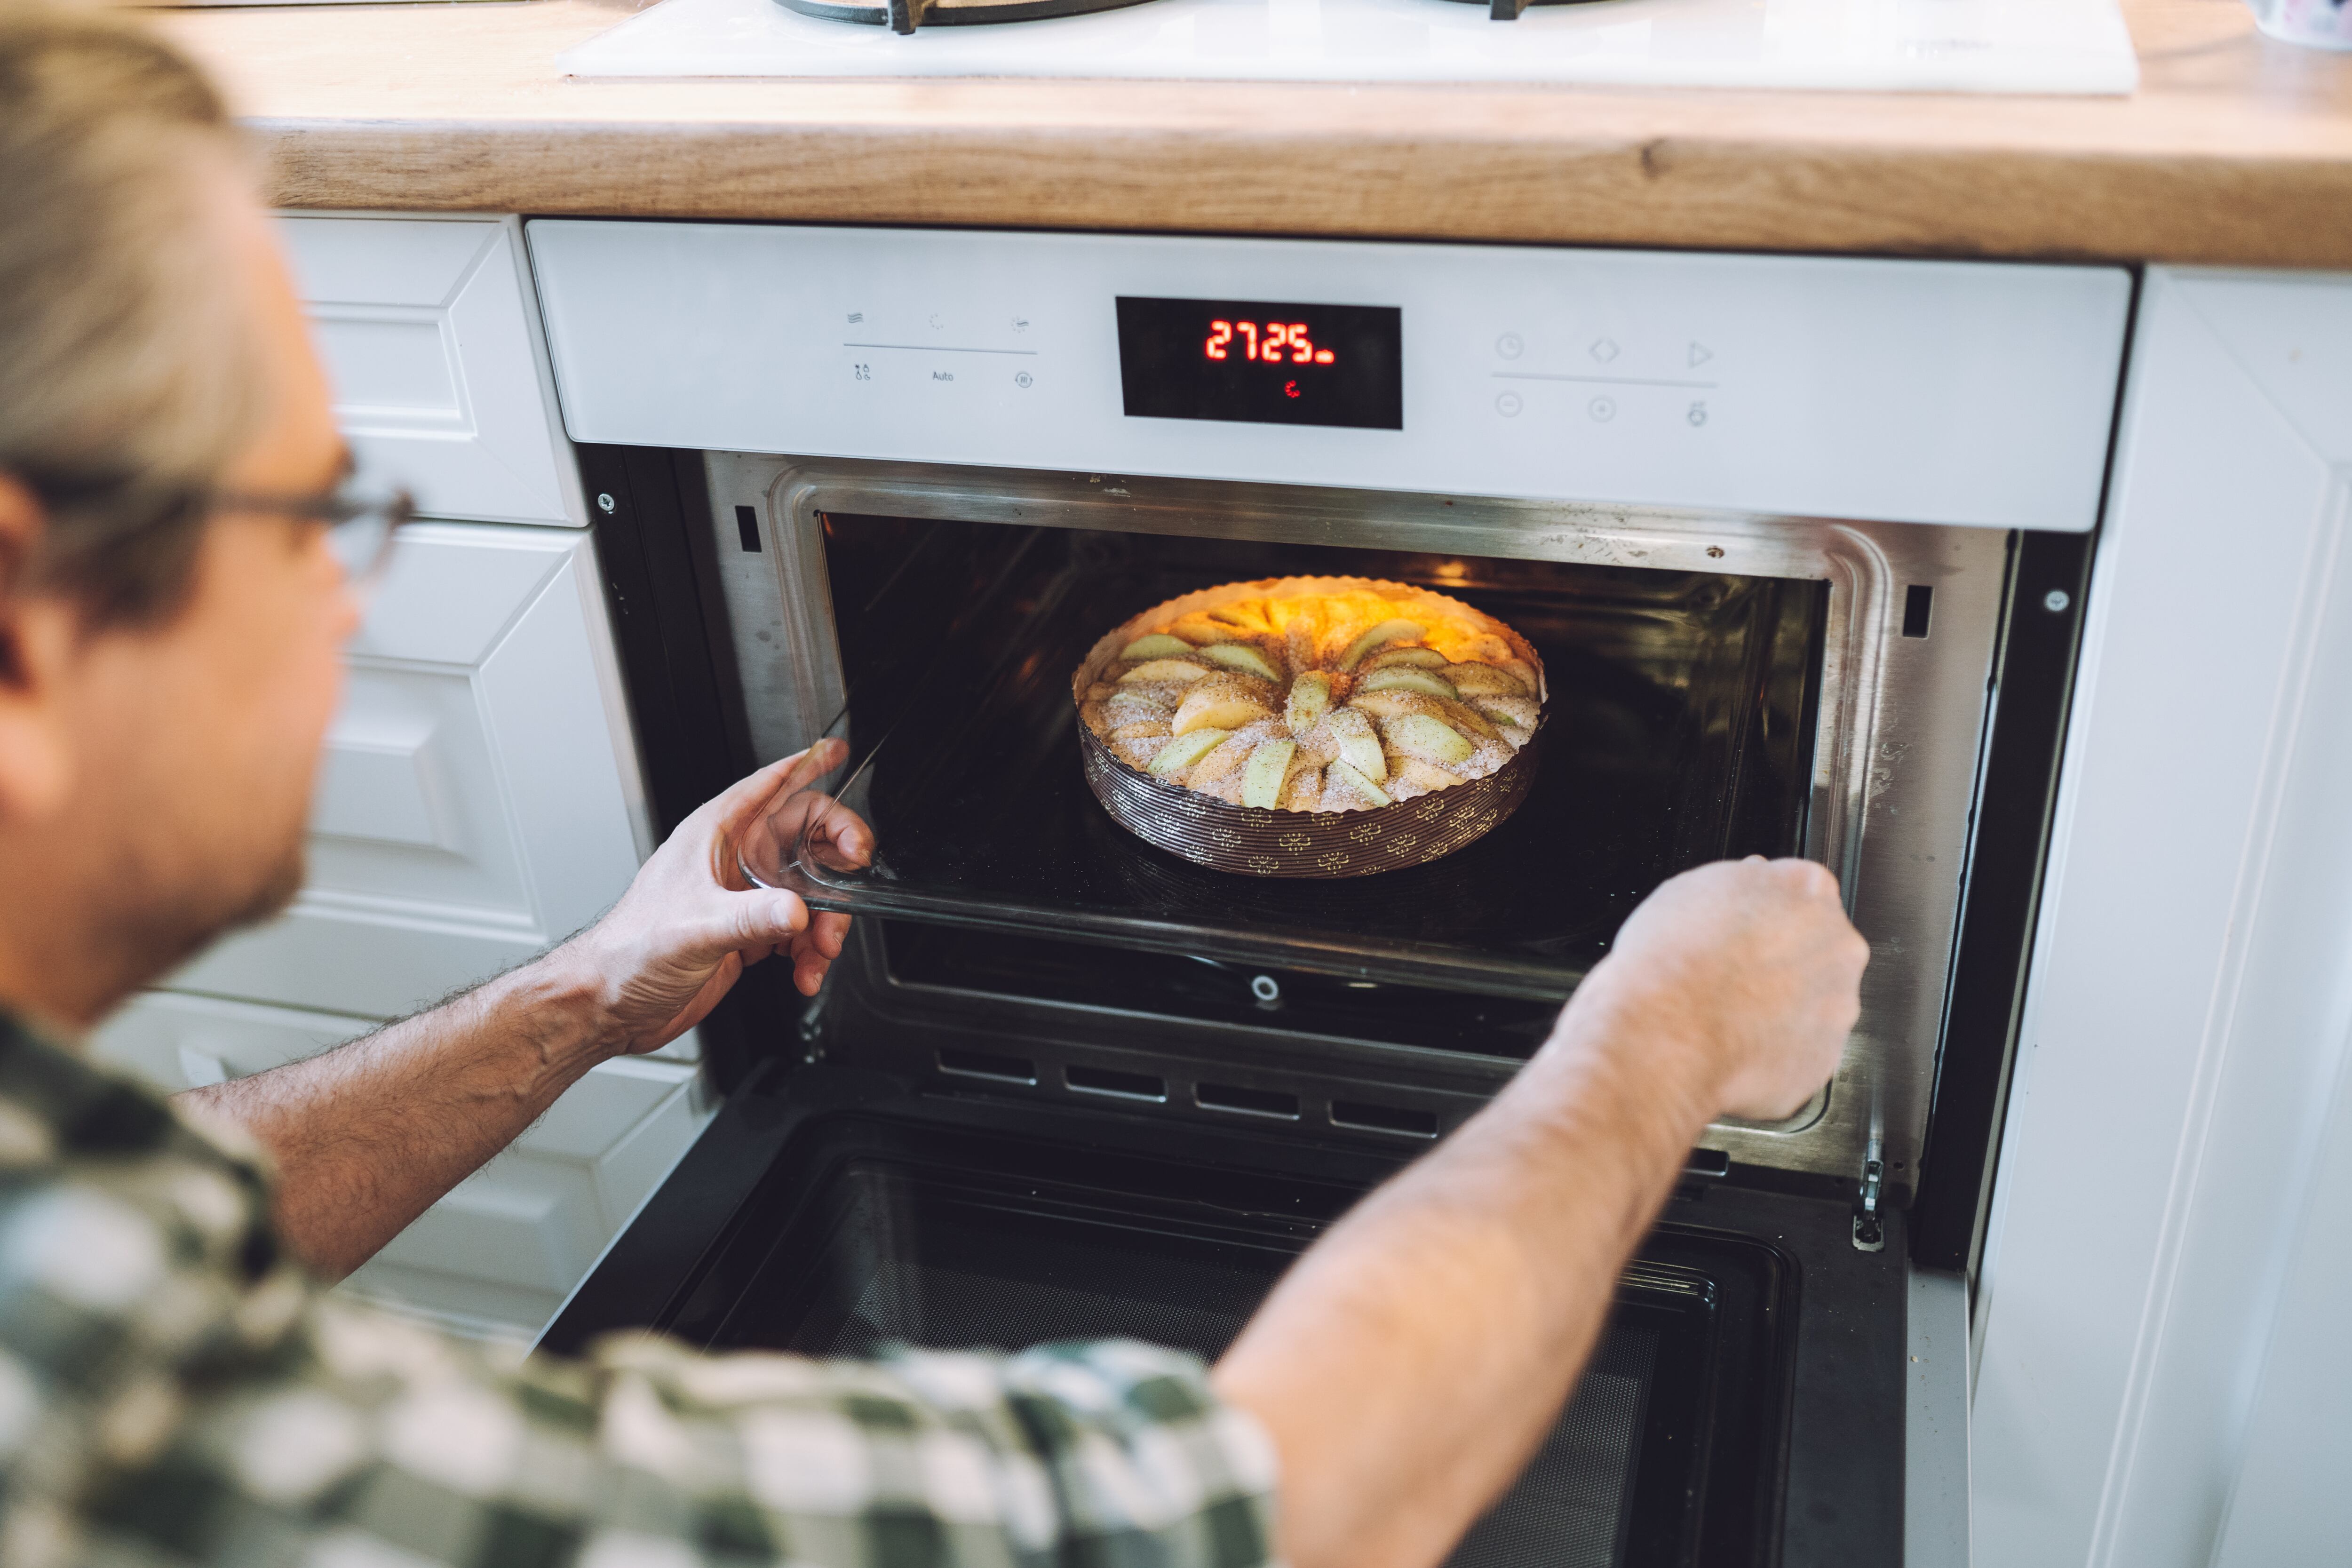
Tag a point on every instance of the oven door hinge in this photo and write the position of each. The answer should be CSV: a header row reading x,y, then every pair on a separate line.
x,y
1869,1226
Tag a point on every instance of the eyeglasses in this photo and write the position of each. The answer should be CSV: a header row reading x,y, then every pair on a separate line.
x,y
360,524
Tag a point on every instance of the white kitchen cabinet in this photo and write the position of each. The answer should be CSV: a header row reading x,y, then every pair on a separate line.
x,y
2162,1359
498,1255
479,798
440,377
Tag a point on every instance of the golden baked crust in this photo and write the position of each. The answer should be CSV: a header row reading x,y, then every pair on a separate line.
x,y
1313,694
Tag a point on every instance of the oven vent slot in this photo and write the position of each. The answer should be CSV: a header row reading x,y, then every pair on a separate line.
x,y
1123,1085
1918,603
987,1065
747,529
1383,1119
1248,1102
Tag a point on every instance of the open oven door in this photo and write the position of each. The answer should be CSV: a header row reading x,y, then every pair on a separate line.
x,y
1023,1112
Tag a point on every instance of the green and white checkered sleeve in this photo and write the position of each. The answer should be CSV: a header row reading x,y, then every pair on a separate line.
x,y
1110,1453
173,1392
154,1411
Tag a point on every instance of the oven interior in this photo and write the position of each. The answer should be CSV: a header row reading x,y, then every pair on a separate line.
x,y
871,1232
1681,729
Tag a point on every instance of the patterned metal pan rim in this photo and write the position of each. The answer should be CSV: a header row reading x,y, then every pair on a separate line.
x,y
1252,841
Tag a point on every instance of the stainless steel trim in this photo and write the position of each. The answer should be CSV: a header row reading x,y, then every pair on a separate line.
x,y
1900,721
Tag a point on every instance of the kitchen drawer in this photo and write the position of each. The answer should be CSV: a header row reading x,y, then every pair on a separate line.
x,y
479,798
432,344
498,1254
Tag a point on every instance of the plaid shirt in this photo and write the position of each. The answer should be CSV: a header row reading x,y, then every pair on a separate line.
x,y
174,1390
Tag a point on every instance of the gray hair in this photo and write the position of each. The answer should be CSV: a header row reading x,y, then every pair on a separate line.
x,y
130,371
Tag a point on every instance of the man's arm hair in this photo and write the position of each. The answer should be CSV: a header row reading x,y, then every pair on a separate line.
x,y
369,1135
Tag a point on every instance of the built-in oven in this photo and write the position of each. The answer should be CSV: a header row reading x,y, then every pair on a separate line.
x,y
1799,542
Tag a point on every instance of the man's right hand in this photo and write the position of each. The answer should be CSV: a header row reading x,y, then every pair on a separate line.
x,y
1753,967
1413,1360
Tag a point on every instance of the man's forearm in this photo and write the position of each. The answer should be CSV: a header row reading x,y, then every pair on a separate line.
x,y
1415,1358
368,1135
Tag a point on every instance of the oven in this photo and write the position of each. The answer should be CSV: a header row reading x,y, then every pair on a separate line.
x,y
1800,543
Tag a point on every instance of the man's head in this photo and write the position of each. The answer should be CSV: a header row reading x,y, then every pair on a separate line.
x,y
168,663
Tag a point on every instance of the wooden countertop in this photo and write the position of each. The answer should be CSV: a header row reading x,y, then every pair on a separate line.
x,y
2235,149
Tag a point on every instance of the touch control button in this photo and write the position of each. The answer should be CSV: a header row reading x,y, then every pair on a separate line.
x,y
1508,404
1603,409
1605,350
1023,379
1509,346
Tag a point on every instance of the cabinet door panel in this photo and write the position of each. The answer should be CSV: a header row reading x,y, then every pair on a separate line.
x,y
477,801
428,338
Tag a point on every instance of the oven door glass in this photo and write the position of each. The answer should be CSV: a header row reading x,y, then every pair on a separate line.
x,y
870,1233
1681,729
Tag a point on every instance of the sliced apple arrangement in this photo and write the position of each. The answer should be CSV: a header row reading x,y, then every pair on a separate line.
x,y
1314,694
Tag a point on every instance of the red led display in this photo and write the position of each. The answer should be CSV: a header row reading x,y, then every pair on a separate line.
x,y
1261,362
1286,341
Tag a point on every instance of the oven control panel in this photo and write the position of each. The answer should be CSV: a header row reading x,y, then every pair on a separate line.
x,y
1956,393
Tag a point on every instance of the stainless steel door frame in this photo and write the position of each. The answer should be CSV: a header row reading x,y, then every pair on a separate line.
x,y
1900,725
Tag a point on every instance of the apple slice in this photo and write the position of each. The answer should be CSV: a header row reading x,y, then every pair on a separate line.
x,y
1269,765
1135,707
1426,657
1165,669
1342,772
1483,680
1187,749
1158,645
1388,704
1216,708
1379,636
1219,772
1427,775
1469,720
1405,677
1359,746
1303,790
1310,699
1512,709
1431,739
1241,657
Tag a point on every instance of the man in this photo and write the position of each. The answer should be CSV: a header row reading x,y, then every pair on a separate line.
x,y
173,1387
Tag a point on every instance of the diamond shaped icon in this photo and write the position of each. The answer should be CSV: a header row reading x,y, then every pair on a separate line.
x,y
1605,350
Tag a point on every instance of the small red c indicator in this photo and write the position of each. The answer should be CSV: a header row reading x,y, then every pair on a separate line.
x,y
1289,389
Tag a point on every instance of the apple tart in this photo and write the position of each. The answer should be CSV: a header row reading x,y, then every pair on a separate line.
x,y
1288,727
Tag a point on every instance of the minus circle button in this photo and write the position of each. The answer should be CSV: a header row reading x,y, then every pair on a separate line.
x,y
1508,404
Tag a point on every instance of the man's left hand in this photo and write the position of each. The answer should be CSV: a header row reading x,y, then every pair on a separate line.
x,y
691,922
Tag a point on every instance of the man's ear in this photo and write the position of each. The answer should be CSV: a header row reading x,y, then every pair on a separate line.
x,y
37,633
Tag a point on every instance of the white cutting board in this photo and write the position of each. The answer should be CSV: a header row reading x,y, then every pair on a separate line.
x,y
1918,46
